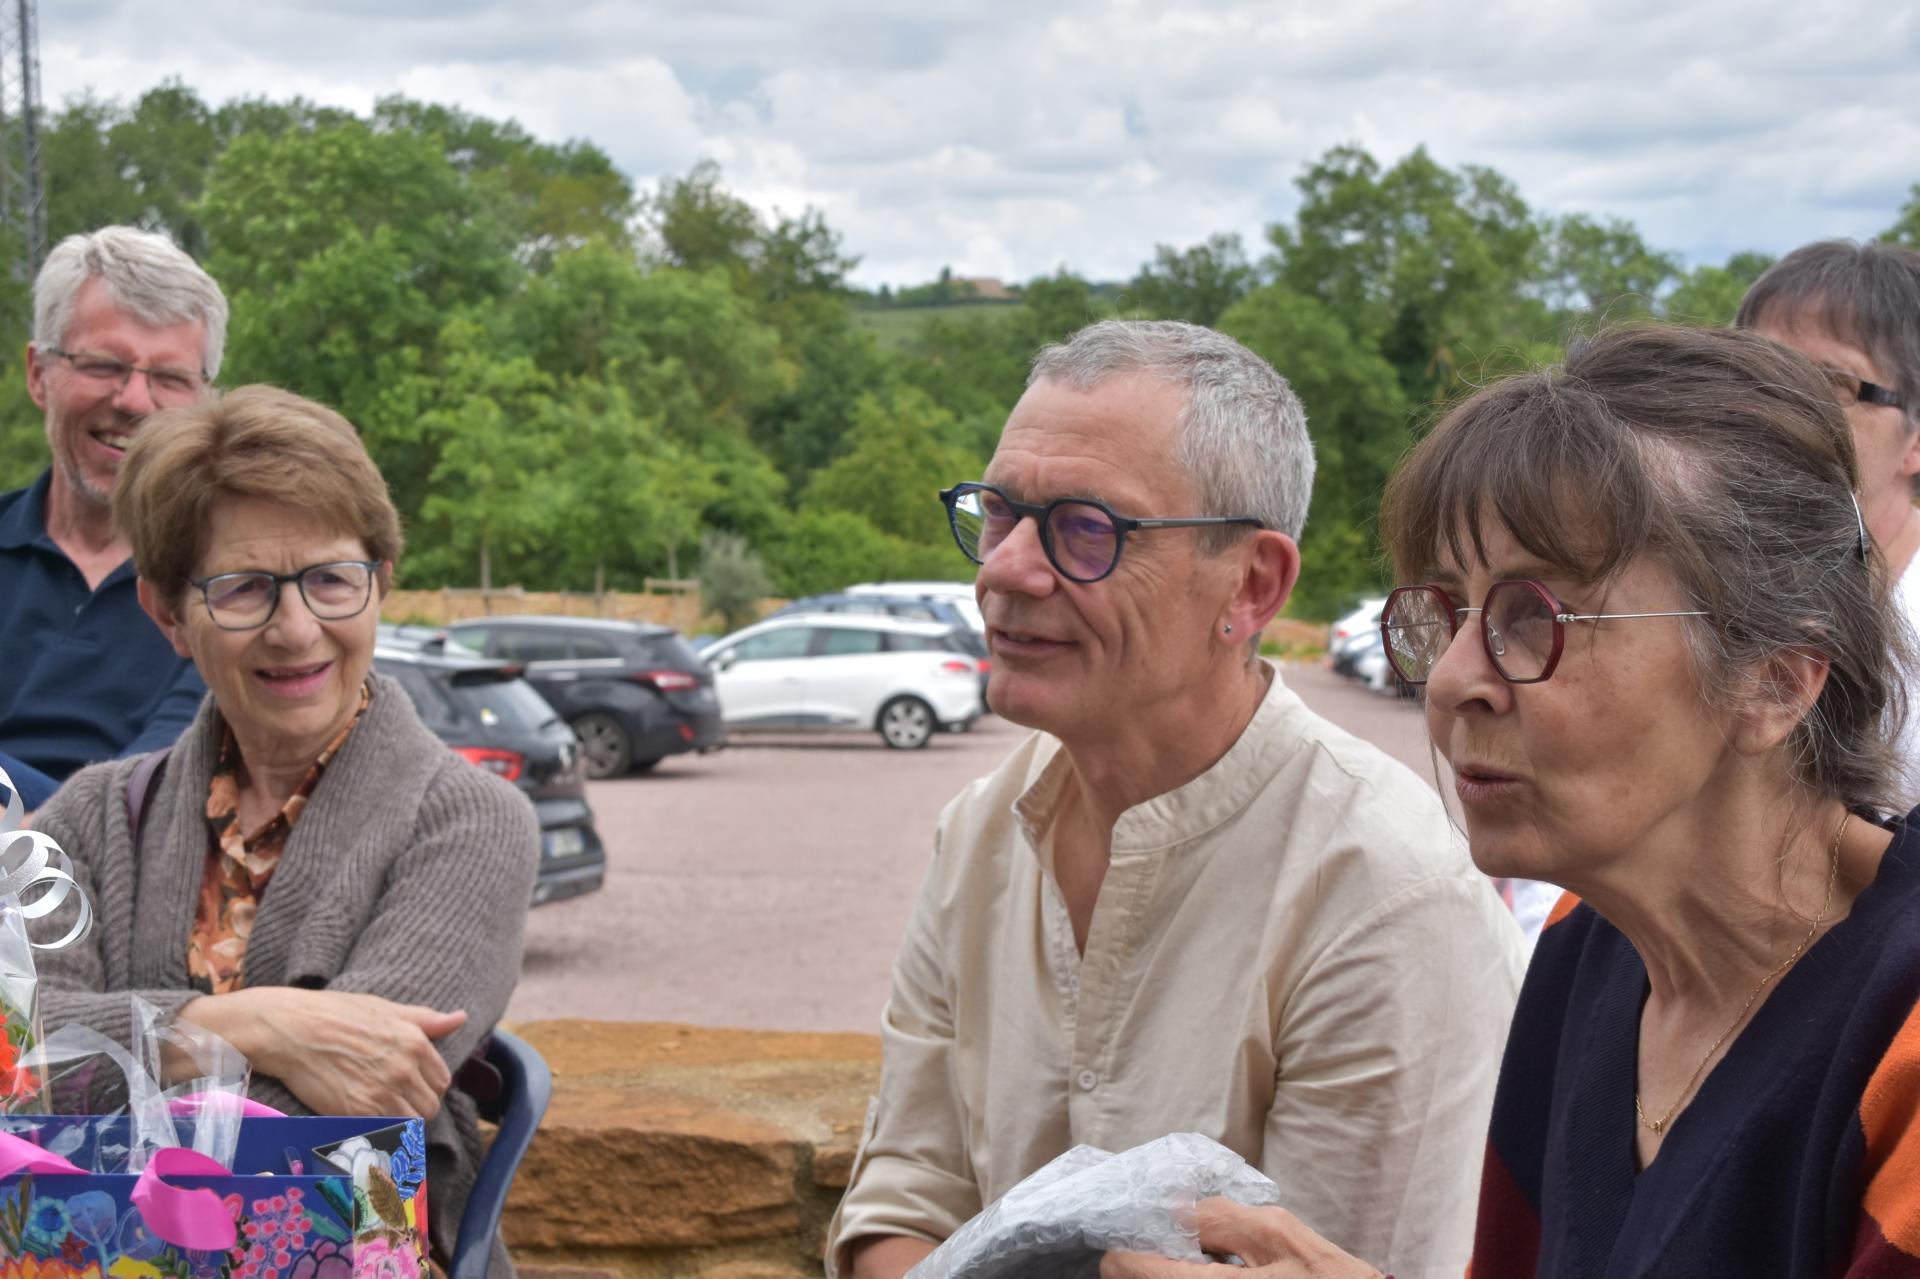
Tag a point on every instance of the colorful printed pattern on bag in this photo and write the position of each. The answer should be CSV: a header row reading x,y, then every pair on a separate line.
x,y
367,1221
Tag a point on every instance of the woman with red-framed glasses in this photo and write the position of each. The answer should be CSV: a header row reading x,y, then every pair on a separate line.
x,y
1656,653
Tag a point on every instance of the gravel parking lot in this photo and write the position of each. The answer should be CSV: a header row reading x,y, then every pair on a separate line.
x,y
766,886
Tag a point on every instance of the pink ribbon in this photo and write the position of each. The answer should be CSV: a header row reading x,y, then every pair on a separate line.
x,y
191,1219
18,1155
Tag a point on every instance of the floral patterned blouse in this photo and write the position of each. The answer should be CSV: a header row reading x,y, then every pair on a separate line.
x,y
239,866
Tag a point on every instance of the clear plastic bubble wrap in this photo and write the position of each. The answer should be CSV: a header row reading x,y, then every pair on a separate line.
x,y
1058,1222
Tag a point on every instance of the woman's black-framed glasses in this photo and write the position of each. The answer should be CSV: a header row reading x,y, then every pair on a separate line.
x,y
246,601
1522,628
1082,538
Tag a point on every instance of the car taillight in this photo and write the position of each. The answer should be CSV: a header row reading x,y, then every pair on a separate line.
x,y
506,765
667,681
954,666
983,665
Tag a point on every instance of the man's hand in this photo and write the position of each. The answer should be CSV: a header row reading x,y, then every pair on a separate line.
x,y
1271,1241
887,1256
339,1053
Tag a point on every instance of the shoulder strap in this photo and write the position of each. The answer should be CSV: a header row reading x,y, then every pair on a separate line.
x,y
140,787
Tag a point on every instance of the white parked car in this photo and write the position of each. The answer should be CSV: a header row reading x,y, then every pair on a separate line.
x,y
959,594
1370,662
1347,637
830,671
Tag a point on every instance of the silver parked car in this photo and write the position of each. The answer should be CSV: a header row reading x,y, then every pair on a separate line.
x,y
838,672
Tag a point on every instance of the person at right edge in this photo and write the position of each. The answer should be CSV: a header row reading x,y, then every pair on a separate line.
x,y
1854,310
1653,634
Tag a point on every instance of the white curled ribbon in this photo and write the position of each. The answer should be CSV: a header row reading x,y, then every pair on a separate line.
x,y
30,860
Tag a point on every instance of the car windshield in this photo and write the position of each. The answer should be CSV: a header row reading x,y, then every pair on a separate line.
x,y
511,703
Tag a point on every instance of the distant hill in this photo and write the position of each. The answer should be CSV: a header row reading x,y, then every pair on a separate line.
x,y
895,325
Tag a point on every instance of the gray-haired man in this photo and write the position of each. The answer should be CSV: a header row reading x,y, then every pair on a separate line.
x,y
124,324
1186,903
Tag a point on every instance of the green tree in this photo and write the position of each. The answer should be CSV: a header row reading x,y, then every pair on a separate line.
x,y
1057,306
82,173
1906,230
682,338
1358,416
1710,295
1425,264
975,366
641,492
836,361
733,580
899,453
700,225
555,196
343,251
816,551
262,117
749,496
800,259
1197,284
1605,269
23,437
497,437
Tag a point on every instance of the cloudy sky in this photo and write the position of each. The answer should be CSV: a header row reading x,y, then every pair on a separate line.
x,y
1010,137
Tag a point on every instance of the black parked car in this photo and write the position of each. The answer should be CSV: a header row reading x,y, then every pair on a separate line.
x,y
494,718
635,693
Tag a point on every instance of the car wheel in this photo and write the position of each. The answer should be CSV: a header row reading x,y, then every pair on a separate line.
x,y
604,742
907,723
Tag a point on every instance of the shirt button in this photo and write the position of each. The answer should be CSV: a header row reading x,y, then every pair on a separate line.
x,y
1087,1080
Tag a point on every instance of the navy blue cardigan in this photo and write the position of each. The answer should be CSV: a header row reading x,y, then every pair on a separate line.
x,y
1799,1155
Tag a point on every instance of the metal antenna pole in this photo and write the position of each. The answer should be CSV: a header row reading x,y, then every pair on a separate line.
x,y
23,204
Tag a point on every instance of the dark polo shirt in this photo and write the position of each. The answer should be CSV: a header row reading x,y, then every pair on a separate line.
x,y
85,675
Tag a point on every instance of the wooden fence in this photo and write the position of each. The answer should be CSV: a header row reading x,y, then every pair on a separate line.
x,y
669,602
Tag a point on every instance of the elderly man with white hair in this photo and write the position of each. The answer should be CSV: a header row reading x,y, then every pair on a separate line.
x,y
1185,902
124,323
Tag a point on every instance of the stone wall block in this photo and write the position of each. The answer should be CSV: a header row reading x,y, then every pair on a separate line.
x,y
682,1151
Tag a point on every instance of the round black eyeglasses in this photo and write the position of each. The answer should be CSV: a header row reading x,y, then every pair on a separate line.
x,y
1082,537
1522,628
247,601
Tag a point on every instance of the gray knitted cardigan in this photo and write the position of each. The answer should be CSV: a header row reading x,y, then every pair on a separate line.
x,y
407,876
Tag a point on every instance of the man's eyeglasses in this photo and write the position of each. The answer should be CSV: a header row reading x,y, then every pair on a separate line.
x,y
165,381
1082,538
1857,390
1522,627
247,601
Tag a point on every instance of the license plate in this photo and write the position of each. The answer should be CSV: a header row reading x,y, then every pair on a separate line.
x,y
565,842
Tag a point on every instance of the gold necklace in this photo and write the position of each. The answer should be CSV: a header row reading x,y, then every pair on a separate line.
x,y
1661,1124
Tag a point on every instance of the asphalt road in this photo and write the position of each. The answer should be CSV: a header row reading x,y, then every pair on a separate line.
x,y
765,886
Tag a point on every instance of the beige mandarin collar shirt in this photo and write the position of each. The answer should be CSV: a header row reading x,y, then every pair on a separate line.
x,y
1291,954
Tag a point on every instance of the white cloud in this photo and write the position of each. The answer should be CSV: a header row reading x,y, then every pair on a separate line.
x,y
1008,138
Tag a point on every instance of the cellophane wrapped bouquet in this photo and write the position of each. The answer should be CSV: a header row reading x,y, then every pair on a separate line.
x,y
36,879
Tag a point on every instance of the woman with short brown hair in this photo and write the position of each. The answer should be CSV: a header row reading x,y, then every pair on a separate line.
x,y
312,875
